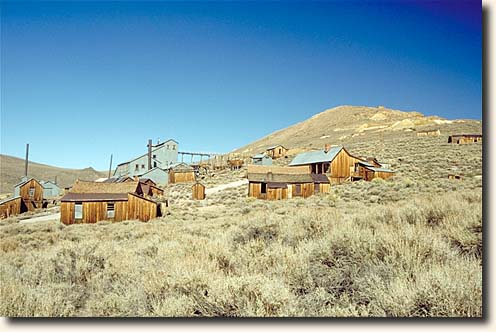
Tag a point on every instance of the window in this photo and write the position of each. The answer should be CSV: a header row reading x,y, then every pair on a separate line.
x,y
326,167
316,187
136,168
173,147
110,210
31,192
154,164
298,189
78,210
142,166
168,147
263,190
154,156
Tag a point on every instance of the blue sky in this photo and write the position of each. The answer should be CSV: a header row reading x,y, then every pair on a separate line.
x,y
80,81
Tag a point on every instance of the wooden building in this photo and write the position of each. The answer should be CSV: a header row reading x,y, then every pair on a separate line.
x,y
198,190
147,189
89,202
276,151
31,192
235,164
10,207
465,138
276,182
429,133
368,171
181,173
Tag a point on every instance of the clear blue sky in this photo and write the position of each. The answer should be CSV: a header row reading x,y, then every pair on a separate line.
x,y
80,81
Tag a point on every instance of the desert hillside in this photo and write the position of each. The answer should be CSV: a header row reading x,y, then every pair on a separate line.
x,y
348,125
12,169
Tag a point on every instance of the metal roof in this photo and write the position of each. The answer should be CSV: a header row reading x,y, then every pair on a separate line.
x,y
380,169
312,157
260,156
320,178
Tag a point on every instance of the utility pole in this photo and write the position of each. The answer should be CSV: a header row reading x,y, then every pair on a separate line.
x,y
26,161
110,167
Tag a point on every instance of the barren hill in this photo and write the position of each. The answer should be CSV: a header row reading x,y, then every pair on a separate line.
x,y
12,169
346,125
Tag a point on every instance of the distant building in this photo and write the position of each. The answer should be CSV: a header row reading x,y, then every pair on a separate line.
x,y
276,151
181,172
31,192
465,138
261,159
429,133
50,189
160,155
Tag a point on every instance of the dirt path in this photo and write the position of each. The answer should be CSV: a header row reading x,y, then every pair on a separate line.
x,y
53,216
213,190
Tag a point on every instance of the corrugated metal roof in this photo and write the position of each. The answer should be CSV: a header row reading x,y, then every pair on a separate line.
x,y
380,169
312,157
92,197
259,156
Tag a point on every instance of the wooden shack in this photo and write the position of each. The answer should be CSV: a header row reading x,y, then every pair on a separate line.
x,y
146,189
429,133
454,177
368,171
276,151
89,202
276,182
181,173
10,207
333,161
235,164
465,138
31,192
198,190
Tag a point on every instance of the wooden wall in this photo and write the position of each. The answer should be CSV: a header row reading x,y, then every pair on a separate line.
x,y
277,152
10,208
140,208
181,177
198,191
340,166
36,200
323,188
92,212
307,190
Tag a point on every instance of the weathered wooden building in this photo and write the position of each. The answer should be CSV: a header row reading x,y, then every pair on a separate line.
x,y
31,192
261,159
198,191
276,151
334,161
10,207
181,173
368,171
429,133
465,138
276,182
235,164
89,202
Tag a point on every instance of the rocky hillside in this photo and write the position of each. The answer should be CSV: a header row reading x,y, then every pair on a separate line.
x,y
12,169
347,125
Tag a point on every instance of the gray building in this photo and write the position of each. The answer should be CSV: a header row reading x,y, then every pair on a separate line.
x,y
261,159
50,189
157,175
163,155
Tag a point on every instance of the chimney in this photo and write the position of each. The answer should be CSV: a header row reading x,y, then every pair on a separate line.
x,y
26,162
149,154
327,147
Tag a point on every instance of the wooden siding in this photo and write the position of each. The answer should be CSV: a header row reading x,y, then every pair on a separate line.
x,y
198,190
277,152
181,177
31,202
140,208
464,139
340,166
11,207
306,189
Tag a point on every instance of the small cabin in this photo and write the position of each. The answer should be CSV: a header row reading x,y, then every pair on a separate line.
x,y
31,192
365,170
429,133
235,164
89,202
10,207
465,138
276,182
198,191
181,173
261,159
276,151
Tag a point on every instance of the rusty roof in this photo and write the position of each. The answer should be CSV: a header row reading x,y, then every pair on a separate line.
x,y
93,197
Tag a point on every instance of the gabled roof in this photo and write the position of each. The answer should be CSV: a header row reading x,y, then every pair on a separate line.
x,y
25,181
152,170
275,146
178,167
260,156
9,199
92,197
380,169
318,156
154,147
44,183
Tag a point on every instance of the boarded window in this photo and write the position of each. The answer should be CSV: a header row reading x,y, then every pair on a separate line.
x,y
110,210
298,189
154,156
78,211
143,166
31,192
316,187
263,189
